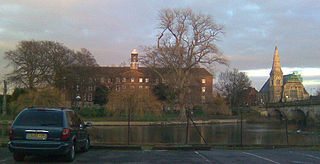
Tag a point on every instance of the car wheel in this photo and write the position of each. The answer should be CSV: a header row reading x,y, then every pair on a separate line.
x,y
86,145
18,156
71,154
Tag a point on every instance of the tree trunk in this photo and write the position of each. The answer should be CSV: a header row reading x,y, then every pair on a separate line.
x,y
182,115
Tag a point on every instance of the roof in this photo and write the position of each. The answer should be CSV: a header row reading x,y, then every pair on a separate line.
x,y
292,78
265,87
116,71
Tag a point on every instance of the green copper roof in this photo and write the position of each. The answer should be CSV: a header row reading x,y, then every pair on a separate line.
x,y
294,77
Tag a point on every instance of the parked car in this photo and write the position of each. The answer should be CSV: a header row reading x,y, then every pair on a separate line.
x,y
48,131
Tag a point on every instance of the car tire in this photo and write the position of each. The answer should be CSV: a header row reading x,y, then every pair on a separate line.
x,y
18,156
69,157
86,145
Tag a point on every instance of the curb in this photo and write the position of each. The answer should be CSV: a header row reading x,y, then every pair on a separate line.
x,y
115,147
182,148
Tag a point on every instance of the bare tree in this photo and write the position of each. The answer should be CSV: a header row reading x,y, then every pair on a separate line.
x,y
41,63
186,40
234,86
37,62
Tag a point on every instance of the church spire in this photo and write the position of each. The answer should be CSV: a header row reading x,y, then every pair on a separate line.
x,y
276,68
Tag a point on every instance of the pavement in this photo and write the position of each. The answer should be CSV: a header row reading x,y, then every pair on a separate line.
x,y
276,156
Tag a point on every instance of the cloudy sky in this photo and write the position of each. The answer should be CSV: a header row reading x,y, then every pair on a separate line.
x,y
110,29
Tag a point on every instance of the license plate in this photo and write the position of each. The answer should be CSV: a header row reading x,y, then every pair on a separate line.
x,y
36,136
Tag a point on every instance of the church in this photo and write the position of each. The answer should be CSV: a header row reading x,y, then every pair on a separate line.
x,y
283,88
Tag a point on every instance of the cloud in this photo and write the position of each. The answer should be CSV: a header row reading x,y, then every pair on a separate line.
x,y
111,29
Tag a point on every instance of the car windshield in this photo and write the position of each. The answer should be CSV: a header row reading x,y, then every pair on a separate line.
x,y
39,118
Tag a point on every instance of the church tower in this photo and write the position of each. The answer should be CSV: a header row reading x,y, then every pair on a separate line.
x,y
134,60
276,79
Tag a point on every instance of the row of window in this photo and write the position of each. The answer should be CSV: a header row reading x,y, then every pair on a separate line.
x,y
118,87
86,97
90,88
140,80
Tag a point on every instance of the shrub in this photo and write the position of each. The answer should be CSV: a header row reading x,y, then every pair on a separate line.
x,y
138,101
92,112
50,97
218,106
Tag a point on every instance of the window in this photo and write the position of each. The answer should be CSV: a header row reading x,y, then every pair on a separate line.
x,y
118,88
203,99
203,89
90,97
147,87
147,80
132,87
140,87
77,87
140,80
84,97
132,80
118,80
40,118
124,80
90,88
203,81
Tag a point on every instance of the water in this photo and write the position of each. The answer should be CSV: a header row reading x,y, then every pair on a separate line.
x,y
229,133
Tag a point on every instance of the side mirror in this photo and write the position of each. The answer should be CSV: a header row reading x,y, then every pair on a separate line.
x,y
88,124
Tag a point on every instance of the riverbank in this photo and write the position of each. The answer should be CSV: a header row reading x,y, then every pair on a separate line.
x,y
147,123
153,123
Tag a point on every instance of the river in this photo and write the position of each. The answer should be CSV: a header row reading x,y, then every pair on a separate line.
x,y
227,133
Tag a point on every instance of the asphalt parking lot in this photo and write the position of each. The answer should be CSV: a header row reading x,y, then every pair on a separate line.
x,y
278,156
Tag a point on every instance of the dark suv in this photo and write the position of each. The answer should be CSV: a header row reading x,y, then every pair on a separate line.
x,y
48,131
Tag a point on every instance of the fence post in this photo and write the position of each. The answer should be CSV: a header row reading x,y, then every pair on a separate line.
x,y
4,102
129,119
187,130
287,131
241,127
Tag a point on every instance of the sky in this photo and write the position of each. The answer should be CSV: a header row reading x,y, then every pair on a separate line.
x,y
111,29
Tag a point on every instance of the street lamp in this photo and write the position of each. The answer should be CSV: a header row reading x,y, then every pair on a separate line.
x,y
78,98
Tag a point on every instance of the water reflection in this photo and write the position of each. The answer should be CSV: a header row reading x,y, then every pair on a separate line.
x,y
254,133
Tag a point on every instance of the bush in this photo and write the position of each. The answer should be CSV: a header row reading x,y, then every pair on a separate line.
x,y
139,101
50,97
92,112
218,106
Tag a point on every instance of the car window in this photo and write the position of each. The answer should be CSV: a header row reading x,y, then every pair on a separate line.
x,y
40,118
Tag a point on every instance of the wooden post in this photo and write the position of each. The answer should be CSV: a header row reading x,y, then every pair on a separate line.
x,y
187,130
241,127
4,102
287,132
129,119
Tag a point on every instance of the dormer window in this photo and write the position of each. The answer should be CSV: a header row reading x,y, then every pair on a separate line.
x,y
203,81
140,80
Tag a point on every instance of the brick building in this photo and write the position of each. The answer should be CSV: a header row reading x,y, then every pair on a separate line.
x,y
136,77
